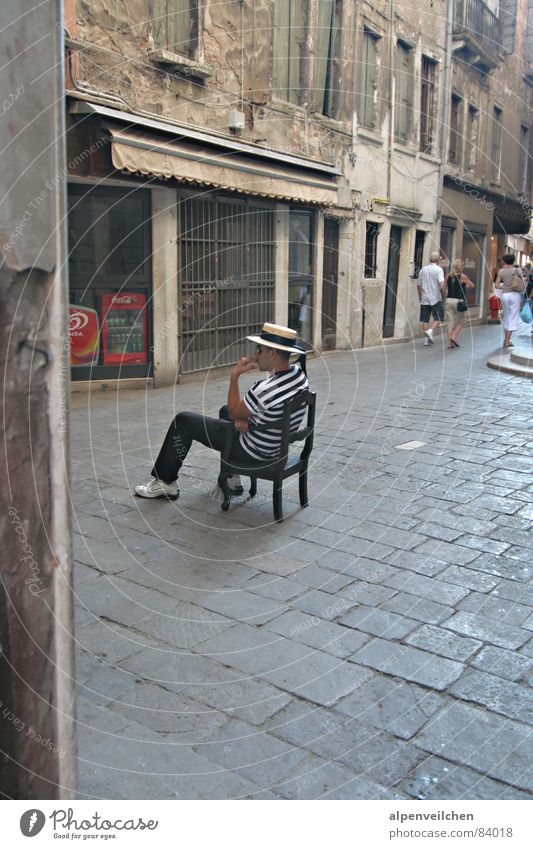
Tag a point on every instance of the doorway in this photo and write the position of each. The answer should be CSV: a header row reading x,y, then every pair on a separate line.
x,y
391,289
329,284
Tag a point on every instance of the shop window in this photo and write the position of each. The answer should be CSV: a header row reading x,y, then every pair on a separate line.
x,y
175,26
496,160
403,98
420,238
371,249
110,282
427,104
454,143
369,80
472,132
290,18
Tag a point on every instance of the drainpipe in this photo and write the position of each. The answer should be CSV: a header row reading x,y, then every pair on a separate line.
x,y
391,101
446,97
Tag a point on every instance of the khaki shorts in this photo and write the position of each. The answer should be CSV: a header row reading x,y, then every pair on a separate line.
x,y
454,318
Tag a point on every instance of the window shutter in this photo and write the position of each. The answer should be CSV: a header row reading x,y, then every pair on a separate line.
x,y
323,51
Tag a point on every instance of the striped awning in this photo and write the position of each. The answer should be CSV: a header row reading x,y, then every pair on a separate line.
x,y
144,153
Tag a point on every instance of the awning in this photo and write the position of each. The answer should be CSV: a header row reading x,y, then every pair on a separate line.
x,y
150,155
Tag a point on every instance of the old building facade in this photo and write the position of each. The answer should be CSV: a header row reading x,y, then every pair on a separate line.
x,y
286,160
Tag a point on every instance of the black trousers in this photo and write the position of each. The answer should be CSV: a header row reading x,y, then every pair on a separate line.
x,y
193,427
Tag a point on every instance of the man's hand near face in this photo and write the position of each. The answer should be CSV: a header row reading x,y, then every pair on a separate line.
x,y
245,364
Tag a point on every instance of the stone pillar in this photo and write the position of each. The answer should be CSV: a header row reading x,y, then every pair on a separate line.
x,y
36,661
281,289
165,286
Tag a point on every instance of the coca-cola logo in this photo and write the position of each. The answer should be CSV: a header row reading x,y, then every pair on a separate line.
x,y
77,321
124,299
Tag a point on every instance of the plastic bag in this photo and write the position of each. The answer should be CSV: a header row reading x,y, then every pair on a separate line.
x,y
525,313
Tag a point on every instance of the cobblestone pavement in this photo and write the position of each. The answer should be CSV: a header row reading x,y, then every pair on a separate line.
x,y
378,644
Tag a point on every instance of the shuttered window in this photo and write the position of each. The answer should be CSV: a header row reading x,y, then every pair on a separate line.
x,y
496,144
325,39
289,40
427,104
454,145
369,80
403,100
175,25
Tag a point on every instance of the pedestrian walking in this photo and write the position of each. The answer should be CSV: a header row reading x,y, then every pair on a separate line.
x,y
430,285
510,283
263,403
456,313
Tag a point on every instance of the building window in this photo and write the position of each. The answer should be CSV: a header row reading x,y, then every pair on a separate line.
x,y
523,160
369,79
454,147
427,104
327,49
472,130
420,239
371,249
496,144
403,100
507,15
289,43
175,26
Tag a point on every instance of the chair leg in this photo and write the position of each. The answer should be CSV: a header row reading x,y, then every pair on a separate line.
x,y
223,484
302,481
277,498
253,487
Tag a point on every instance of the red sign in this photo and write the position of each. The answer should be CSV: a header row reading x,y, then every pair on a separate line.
x,y
83,331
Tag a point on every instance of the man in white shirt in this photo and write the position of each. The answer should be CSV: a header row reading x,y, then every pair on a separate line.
x,y
430,286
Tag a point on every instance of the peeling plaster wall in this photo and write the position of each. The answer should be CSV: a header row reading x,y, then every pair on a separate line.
x,y
120,64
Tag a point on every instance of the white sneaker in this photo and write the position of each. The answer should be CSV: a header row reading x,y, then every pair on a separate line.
x,y
429,336
158,489
235,484
426,343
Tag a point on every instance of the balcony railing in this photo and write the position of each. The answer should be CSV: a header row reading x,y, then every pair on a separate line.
x,y
480,28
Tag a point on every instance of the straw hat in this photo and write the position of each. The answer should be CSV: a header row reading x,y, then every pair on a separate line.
x,y
276,336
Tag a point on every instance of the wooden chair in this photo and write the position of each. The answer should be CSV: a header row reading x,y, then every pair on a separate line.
x,y
280,467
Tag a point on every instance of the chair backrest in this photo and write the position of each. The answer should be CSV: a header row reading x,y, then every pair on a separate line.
x,y
301,399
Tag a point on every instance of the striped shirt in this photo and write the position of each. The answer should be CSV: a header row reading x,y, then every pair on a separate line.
x,y
265,401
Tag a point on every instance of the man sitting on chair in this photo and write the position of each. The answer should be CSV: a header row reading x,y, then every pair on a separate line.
x,y
261,404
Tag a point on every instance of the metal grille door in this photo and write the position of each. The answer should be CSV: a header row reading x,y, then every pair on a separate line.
x,y
226,279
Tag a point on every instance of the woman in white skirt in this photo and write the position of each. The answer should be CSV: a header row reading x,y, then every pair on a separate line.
x,y
510,278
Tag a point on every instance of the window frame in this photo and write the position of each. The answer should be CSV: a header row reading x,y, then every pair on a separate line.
x,y
369,84
403,103
496,144
164,32
454,133
372,231
290,18
428,91
472,137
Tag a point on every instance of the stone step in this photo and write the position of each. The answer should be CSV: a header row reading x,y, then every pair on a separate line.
x,y
523,355
505,361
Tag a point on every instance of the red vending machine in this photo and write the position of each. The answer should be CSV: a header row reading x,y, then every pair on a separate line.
x,y
124,329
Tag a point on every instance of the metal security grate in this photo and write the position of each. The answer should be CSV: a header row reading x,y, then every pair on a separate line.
x,y
226,279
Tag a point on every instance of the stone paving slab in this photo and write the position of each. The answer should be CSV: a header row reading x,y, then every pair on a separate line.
x,y
377,644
